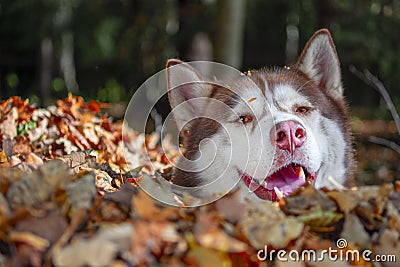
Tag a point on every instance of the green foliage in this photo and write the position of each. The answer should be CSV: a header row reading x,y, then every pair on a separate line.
x,y
112,92
58,84
24,128
12,80
105,35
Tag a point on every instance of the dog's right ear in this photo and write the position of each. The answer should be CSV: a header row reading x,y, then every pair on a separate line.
x,y
320,62
185,84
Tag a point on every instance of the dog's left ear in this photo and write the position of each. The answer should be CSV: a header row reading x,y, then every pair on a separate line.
x,y
186,88
320,62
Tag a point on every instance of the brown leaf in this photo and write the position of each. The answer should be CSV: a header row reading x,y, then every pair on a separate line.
x,y
289,263
104,182
123,197
24,166
388,246
393,217
280,233
76,136
34,159
263,218
326,262
28,255
8,127
151,238
209,234
96,253
33,240
37,187
204,257
4,210
50,227
79,160
346,200
145,206
22,146
3,157
230,207
354,232
90,134
306,200
8,176
8,149
81,193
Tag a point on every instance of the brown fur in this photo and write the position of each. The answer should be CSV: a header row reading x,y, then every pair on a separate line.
x,y
334,109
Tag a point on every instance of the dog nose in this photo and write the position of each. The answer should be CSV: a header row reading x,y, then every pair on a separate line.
x,y
288,135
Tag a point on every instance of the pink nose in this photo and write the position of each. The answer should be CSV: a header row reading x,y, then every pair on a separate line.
x,y
288,135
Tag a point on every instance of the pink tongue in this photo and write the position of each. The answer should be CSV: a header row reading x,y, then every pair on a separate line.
x,y
285,179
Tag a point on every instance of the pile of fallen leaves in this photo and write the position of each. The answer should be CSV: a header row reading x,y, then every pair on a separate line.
x,y
67,199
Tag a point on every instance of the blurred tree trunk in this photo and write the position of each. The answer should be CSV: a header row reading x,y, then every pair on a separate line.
x,y
46,58
228,45
292,33
67,62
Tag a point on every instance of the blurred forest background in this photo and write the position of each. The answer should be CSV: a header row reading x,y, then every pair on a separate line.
x,y
105,49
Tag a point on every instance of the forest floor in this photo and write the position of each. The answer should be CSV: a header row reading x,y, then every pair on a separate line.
x,y
68,197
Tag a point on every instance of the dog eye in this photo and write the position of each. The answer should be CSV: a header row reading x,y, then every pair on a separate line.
x,y
302,109
245,118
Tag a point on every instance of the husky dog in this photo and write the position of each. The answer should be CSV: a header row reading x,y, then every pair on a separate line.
x,y
269,131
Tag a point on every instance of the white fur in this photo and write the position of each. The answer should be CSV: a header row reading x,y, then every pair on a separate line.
x,y
321,53
247,147
250,148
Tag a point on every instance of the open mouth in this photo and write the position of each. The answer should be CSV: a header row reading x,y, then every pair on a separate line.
x,y
281,183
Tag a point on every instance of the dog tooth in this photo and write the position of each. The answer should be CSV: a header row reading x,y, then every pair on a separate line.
x,y
278,192
265,184
302,174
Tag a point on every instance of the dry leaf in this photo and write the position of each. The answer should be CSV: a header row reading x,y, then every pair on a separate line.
x,y
123,197
34,159
8,176
37,187
388,246
307,200
5,211
326,262
26,255
265,225
151,238
209,234
346,200
277,234
145,207
8,147
231,207
82,192
8,127
289,263
128,226
33,240
50,227
354,232
3,157
96,253
204,257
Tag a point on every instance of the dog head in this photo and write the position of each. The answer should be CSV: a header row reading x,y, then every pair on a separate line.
x,y
269,130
